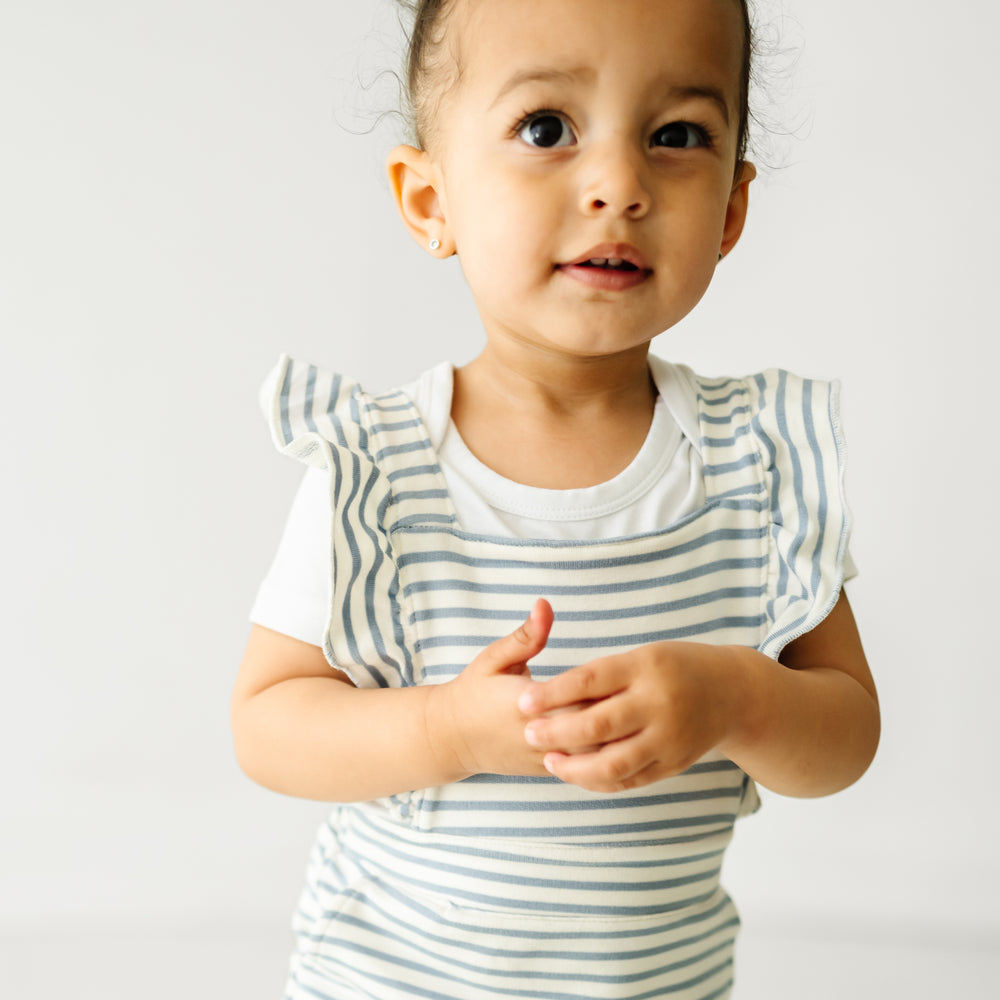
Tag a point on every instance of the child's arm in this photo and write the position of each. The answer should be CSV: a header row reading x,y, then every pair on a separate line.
x,y
806,726
301,727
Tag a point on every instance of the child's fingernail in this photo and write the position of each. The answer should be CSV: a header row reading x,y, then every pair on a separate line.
x,y
531,736
526,702
549,761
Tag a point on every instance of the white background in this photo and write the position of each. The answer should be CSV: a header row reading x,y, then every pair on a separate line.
x,y
180,201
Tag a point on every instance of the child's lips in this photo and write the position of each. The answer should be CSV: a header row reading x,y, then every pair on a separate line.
x,y
621,252
608,267
604,278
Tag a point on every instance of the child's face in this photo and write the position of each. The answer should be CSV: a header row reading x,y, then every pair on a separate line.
x,y
589,129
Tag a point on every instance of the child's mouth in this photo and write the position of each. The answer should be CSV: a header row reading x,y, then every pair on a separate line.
x,y
609,267
610,263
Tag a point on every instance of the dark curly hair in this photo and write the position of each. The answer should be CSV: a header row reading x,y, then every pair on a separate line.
x,y
427,34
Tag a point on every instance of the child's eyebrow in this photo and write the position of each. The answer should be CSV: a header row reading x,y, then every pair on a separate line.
x,y
546,74
540,74
709,93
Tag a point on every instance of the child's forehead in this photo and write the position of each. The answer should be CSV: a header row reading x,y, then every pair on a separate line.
x,y
569,40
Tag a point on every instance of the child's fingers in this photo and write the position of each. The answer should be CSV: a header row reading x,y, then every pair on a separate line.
x,y
526,641
589,682
615,768
606,721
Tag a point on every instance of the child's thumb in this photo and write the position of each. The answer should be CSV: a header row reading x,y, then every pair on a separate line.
x,y
526,641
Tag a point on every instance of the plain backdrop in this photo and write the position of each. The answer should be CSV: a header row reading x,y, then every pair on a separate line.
x,y
188,189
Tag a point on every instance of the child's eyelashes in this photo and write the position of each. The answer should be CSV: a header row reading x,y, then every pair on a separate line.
x,y
545,130
681,135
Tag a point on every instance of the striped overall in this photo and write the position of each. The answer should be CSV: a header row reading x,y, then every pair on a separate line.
x,y
527,887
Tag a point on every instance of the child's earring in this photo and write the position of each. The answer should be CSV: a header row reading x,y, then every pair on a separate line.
x,y
435,244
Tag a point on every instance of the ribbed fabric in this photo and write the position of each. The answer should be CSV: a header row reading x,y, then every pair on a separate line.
x,y
528,887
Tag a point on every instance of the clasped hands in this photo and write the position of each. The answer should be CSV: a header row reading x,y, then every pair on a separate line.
x,y
611,724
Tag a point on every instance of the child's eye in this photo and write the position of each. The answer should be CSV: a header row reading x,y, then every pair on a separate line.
x,y
680,135
546,130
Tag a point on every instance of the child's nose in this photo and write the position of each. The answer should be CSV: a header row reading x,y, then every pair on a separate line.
x,y
614,183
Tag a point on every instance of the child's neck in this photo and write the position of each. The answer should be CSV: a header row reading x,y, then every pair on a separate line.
x,y
553,422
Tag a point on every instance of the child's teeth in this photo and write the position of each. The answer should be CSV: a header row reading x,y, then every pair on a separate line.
x,y
599,261
615,262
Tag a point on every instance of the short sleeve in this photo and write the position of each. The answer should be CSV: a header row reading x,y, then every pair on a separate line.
x,y
294,596
796,425
321,418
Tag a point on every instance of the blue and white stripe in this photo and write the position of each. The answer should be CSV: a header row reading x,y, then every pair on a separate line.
x,y
503,886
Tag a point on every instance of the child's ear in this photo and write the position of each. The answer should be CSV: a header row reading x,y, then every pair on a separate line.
x,y
736,211
415,182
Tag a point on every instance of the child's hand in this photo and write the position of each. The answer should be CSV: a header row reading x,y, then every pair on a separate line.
x,y
475,718
643,715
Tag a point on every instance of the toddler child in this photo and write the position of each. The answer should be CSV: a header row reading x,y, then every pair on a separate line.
x,y
538,624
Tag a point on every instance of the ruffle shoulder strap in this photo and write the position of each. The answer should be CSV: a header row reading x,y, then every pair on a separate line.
x,y
796,426
323,419
307,408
